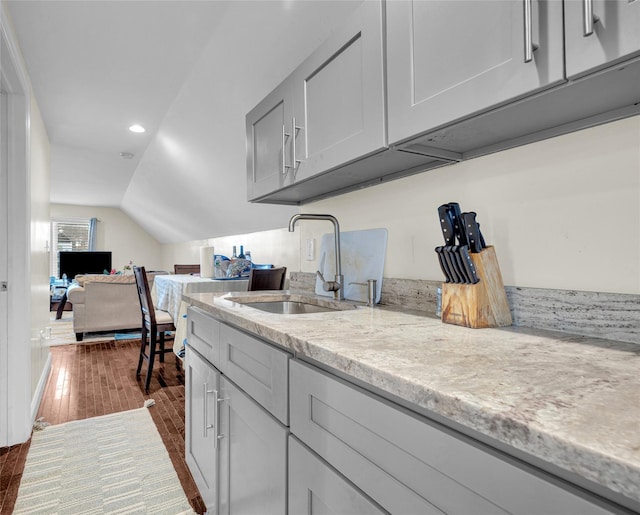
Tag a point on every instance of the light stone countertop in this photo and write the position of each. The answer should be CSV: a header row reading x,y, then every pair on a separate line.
x,y
572,401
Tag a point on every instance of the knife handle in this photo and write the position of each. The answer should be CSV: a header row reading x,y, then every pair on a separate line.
x,y
483,244
446,224
456,273
454,252
468,264
473,231
443,264
458,225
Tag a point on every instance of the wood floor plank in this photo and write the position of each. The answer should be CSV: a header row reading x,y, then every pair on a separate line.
x,y
94,379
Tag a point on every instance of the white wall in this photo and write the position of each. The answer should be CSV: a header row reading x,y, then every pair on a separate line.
x,y
562,213
24,360
278,247
118,233
40,318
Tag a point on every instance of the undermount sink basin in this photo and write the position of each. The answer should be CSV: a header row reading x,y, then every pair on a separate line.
x,y
289,307
286,303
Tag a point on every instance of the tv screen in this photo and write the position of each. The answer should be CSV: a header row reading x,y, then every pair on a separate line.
x,y
74,263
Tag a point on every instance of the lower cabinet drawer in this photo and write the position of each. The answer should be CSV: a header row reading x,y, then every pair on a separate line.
x,y
317,489
203,334
257,367
407,464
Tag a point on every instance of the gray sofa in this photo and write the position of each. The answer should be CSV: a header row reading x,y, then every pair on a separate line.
x,y
105,303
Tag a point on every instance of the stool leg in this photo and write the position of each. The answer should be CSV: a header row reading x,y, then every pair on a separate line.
x,y
152,354
161,346
143,344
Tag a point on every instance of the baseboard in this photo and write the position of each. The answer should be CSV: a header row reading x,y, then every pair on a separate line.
x,y
42,383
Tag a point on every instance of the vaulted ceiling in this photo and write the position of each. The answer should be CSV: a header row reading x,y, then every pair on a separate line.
x,y
188,71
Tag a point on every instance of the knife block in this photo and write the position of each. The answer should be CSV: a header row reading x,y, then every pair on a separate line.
x,y
479,305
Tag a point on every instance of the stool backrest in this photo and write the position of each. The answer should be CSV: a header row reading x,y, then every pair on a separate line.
x,y
267,278
144,294
186,269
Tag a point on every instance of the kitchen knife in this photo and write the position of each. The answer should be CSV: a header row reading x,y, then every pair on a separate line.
x,y
454,267
482,242
446,224
470,268
473,231
454,252
443,264
458,227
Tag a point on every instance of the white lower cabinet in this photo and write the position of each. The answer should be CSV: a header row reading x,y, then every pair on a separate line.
x,y
236,451
317,489
202,380
253,457
347,451
408,465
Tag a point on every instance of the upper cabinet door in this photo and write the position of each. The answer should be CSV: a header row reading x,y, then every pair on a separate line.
x,y
339,96
268,128
448,60
600,32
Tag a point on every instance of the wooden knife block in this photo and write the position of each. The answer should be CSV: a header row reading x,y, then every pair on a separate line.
x,y
479,305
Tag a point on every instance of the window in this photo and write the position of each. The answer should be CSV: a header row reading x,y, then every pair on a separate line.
x,y
70,234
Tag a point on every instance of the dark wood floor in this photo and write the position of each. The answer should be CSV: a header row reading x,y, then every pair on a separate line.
x,y
98,379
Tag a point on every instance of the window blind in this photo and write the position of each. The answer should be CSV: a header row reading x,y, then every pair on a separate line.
x,y
70,234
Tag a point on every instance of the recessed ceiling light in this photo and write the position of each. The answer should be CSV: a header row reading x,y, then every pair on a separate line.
x,y
137,128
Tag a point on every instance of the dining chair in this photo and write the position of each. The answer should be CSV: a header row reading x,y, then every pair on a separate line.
x,y
154,324
267,278
186,269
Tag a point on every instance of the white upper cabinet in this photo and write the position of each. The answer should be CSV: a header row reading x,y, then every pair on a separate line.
x,y
405,86
600,32
339,104
268,128
449,60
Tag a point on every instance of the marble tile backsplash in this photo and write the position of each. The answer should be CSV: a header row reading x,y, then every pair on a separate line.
x,y
613,316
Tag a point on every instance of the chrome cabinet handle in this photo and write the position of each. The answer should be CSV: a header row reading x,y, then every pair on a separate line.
x,y
588,18
206,411
217,424
529,46
285,166
217,400
295,129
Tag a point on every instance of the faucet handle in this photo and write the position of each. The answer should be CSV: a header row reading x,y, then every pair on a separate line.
x,y
328,285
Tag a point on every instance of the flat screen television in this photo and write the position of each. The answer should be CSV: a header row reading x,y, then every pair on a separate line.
x,y
74,263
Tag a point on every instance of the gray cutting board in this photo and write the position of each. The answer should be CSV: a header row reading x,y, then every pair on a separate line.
x,y
363,254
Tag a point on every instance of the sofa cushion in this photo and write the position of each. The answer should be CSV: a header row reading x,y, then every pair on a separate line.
x,y
104,278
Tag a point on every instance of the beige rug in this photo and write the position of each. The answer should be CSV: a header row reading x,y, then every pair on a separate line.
x,y
62,332
111,464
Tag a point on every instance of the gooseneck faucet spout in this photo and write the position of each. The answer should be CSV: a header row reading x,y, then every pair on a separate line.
x,y
336,286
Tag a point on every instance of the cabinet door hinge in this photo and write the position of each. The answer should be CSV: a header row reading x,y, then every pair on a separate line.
x,y
3,285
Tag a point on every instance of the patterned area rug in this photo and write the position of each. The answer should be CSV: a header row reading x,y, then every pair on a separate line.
x,y
111,464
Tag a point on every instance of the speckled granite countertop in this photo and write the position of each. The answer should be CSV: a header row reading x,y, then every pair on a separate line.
x,y
571,401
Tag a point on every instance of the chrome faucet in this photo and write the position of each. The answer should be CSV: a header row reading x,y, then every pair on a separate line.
x,y
336,286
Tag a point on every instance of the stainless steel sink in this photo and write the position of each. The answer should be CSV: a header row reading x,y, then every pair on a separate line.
x,y
289,307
